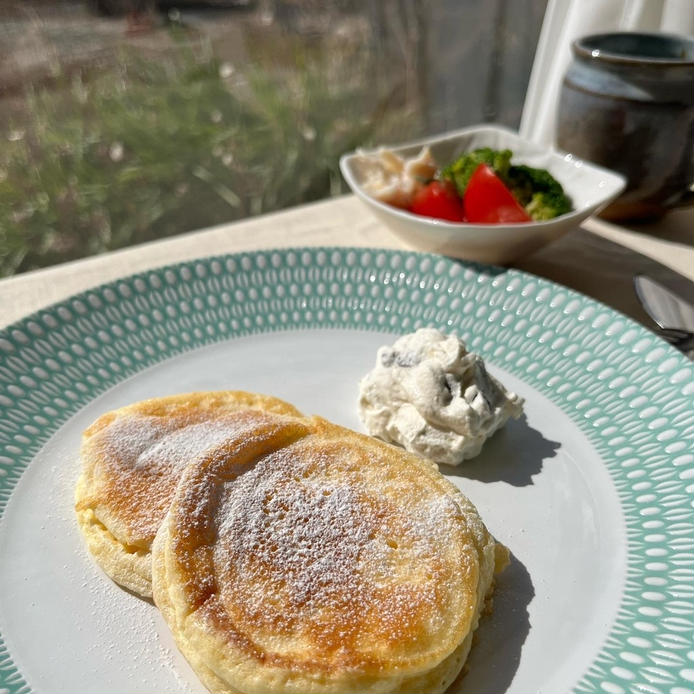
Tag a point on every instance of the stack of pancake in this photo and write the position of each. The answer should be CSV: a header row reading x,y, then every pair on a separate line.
x,y
286,553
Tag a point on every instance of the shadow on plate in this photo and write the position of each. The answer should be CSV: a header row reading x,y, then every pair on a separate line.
x,y
512,455
498,642
483,269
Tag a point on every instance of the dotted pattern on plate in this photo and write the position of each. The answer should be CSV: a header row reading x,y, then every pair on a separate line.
x,y
626,389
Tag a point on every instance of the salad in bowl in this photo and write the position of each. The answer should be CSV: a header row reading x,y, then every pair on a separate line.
x,y
482,193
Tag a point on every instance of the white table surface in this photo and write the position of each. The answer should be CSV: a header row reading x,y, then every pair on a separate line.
x,y
598,259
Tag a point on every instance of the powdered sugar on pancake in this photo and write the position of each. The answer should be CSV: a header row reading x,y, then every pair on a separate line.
x,y
306,554
128,436
178,448
143,458
139,442
313,558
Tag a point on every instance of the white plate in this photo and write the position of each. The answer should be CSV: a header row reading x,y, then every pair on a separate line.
x,y
591,491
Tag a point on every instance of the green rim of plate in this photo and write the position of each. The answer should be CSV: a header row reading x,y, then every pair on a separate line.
x,y
628,391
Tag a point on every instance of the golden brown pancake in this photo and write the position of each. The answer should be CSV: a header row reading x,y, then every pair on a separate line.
x,y
132,460
305,557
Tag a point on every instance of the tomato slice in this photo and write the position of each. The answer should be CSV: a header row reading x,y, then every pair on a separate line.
x,y
438,199
488,201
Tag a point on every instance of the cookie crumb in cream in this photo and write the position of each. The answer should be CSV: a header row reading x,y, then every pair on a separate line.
x,y
430,395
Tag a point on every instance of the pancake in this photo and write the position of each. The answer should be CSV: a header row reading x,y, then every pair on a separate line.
x,y
132,460
309,558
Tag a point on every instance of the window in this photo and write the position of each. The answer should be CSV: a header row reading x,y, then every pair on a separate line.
x,y
125,121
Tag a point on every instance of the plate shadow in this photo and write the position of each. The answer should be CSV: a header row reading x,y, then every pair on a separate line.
x,y
513,455
498,642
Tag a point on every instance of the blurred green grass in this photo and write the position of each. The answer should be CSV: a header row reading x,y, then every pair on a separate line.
x,y
147,149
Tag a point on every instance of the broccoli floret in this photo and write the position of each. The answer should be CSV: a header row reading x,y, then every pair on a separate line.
x,y
461,169
538,191
548,206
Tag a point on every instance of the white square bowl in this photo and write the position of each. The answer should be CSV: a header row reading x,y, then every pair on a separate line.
x,y
590,188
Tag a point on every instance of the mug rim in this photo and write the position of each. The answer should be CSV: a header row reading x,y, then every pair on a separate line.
x,y
582,50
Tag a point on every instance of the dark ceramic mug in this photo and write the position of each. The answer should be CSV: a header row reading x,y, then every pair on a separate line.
x,y
627,103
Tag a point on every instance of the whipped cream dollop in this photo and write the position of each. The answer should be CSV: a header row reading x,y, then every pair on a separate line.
x,y
431,396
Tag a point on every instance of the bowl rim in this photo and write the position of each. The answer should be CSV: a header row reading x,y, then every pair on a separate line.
x,y
618,180
582,49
